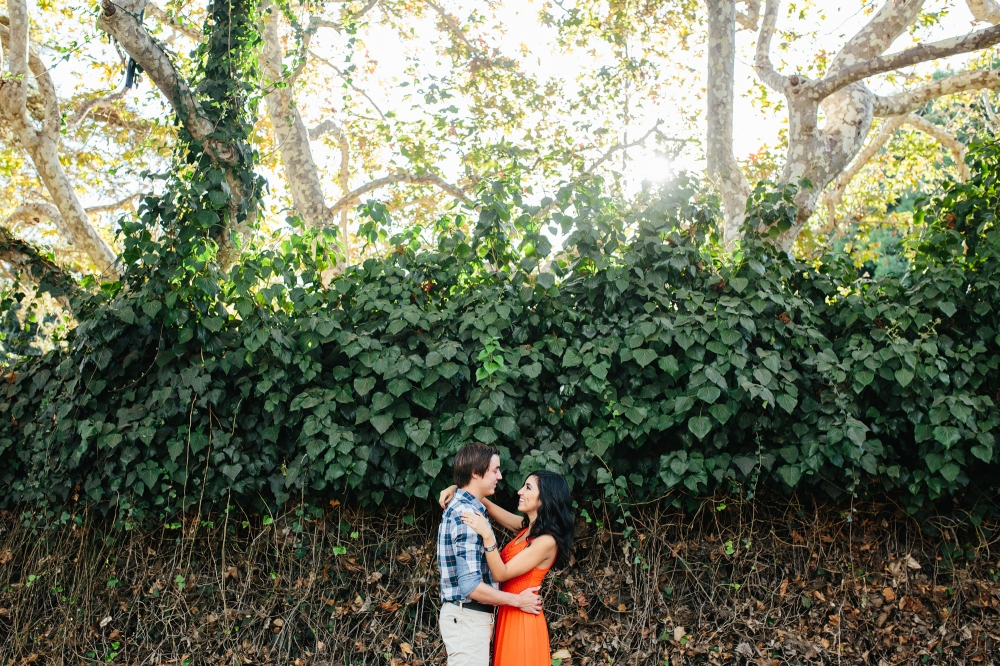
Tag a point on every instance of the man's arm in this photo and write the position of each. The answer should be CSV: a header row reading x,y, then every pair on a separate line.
x,y
527,601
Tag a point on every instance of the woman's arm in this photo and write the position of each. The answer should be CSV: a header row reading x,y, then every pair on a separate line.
x,y
502,516
511,521
540,551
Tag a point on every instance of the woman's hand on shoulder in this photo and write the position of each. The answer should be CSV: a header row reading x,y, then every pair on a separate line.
x,y
478,523
446,496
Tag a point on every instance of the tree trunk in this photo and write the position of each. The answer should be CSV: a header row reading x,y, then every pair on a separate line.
x,y
819,155
42,145
289,130
723,169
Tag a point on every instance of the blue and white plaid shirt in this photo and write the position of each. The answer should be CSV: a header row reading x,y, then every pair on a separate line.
x,y
460,553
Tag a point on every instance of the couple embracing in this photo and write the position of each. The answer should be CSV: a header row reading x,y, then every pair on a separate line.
x,y
477,579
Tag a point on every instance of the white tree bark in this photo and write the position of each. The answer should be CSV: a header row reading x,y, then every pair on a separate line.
x,y
911,100
119,20
834,196
723,168
42,144
353,196
176,22
985,10
819,154
945,138
289,130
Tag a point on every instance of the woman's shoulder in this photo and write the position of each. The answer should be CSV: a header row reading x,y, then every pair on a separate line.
x,y
545,541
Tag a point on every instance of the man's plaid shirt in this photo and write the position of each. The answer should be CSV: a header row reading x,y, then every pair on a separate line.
x,y
460,551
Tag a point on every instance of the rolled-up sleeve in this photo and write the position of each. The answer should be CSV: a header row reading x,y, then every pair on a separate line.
x,y
470,573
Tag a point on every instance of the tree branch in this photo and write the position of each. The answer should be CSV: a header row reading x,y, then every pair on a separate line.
x,y
412,179
128,201
31,212
608,154
157,64
92,104
835,195
454,28
750,18
328,126
35,268
14,91
990,112
353,87
315,23
946,139
878,34
985,10
762,60
290,132
37,211
176,21
43,145
920,53
911,100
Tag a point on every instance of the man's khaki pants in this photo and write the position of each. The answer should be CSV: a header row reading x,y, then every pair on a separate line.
x,y
467,635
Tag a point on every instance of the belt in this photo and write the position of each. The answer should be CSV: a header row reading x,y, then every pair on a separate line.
x,y
474,605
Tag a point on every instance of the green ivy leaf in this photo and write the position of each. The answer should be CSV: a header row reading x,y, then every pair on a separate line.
x,y
432,467
739,284
709,394
643,357
950,471
786,402
532,370
947,436
700,426
381,422
363,385
425,398
904,377
790,474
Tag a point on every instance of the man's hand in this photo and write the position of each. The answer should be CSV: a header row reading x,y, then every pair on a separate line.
x,y
446,496
529,601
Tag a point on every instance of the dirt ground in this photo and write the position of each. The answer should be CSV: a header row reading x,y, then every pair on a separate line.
x,y
732,582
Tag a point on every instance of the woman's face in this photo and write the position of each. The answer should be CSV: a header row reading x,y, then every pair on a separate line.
x,y
528,499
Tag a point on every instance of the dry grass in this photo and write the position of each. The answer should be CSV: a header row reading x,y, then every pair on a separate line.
x,y
743,583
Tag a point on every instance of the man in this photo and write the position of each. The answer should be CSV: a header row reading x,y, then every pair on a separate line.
x,y
468,594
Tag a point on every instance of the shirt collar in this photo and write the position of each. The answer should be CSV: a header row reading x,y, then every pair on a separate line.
x,y
466,496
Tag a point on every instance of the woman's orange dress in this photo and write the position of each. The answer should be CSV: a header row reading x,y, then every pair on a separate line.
x,y
522,639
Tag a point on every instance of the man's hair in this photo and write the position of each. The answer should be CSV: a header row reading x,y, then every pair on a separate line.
x,y
472,459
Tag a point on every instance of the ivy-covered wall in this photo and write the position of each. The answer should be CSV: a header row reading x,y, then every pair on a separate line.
x,y
645,362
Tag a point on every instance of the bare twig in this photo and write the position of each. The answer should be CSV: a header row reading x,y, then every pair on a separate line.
x,y
413,179
353,87
607,155
749,18
105,102
990,111
176,21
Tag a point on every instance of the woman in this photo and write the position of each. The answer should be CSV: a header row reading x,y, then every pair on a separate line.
x,y
544,538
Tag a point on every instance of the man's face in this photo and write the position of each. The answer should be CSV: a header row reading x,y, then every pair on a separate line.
x,y
490,479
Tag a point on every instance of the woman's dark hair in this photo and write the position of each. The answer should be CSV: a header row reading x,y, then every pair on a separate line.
x,y
555,515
